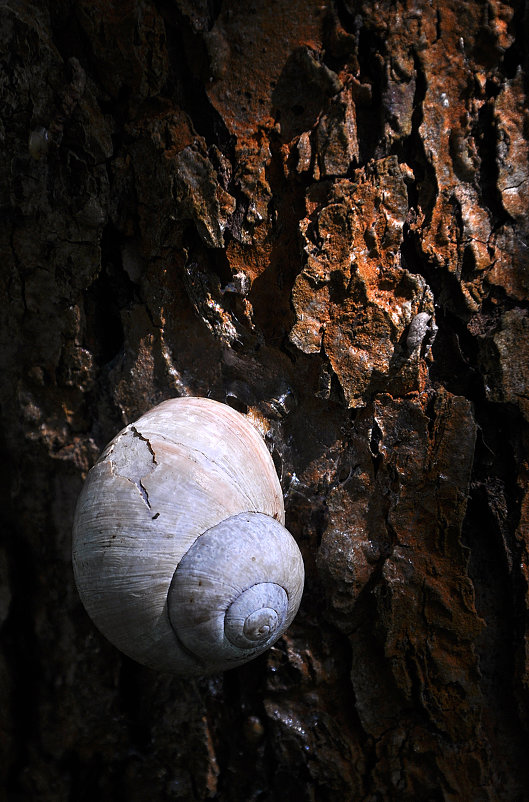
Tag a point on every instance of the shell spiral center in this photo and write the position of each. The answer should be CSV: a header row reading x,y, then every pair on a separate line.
x,y
256,615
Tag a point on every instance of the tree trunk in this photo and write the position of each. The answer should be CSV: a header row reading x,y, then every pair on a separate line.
x,y
317,213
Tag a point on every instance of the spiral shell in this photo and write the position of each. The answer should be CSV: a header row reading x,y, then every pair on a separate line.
x,y
179,550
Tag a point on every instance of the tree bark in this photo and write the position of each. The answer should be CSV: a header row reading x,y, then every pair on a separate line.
x,y
317,213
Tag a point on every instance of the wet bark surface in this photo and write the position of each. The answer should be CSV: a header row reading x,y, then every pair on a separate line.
x,y
316,213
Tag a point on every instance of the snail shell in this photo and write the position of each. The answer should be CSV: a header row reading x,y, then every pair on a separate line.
x,y
179,550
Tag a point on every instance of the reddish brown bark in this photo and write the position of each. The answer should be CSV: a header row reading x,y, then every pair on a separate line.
x,y
317,213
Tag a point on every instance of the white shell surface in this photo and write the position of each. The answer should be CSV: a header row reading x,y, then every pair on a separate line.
x,y
180,470
231,622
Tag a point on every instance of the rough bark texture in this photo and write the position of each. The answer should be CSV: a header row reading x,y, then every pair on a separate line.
x,y
316,212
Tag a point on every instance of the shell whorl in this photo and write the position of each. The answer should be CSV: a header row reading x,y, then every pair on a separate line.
x,y
179,550
247,615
